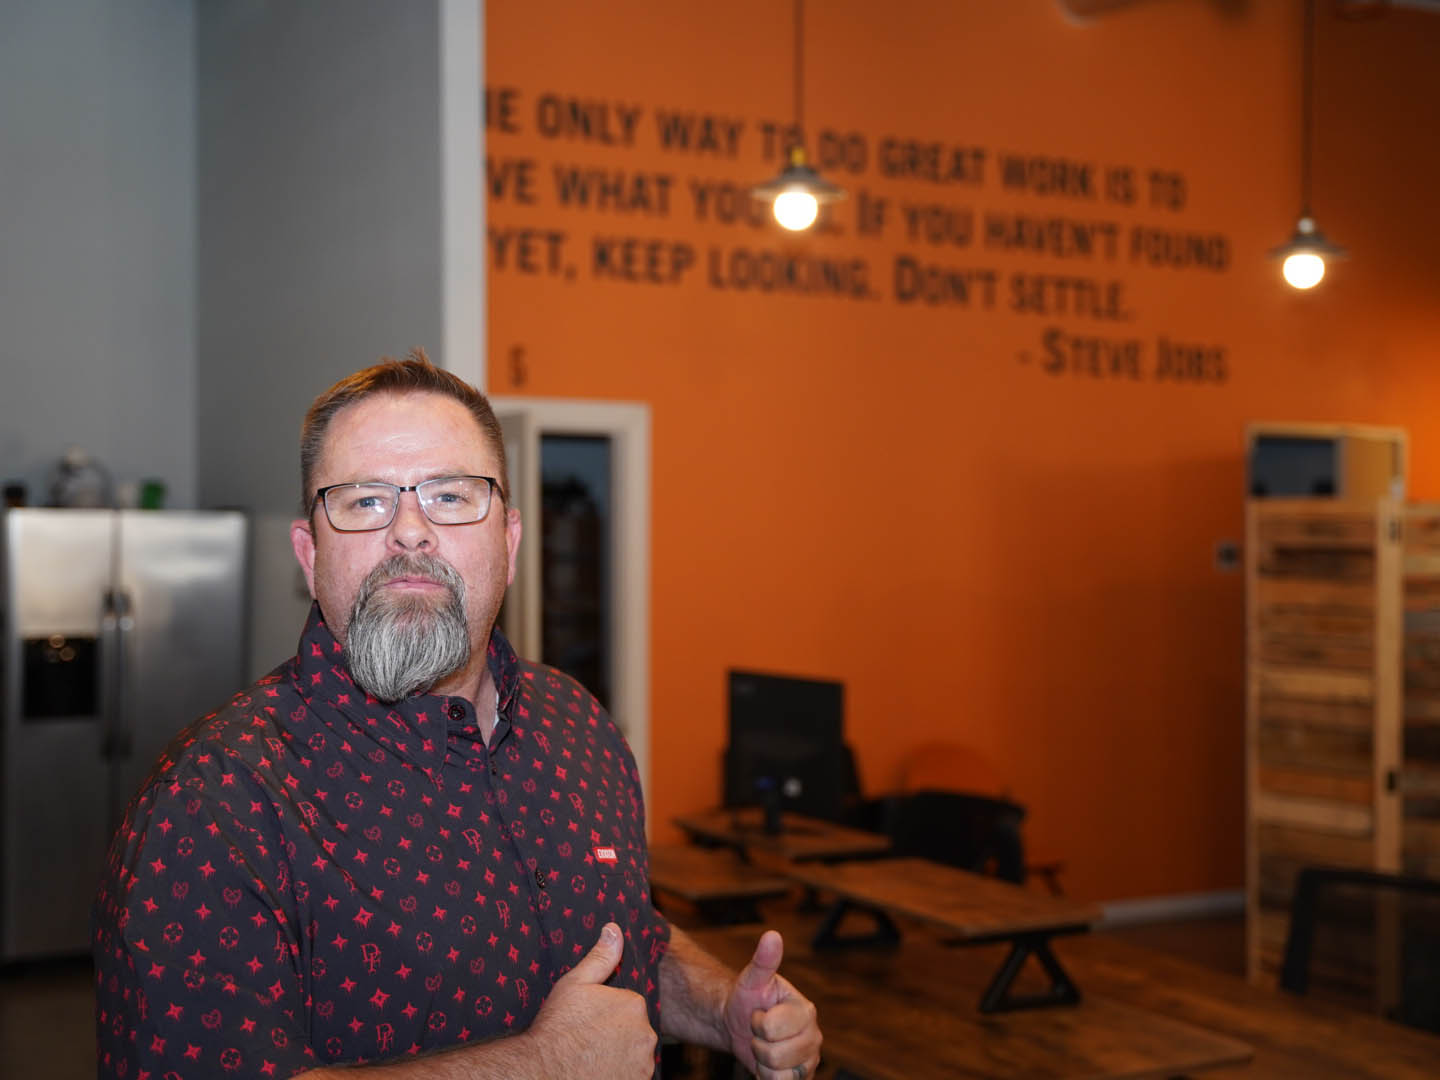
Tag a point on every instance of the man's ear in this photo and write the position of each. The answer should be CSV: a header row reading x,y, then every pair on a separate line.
x,y
512,541
302,540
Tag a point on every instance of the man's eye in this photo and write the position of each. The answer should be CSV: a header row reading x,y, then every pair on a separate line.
x,y
368,502
457,494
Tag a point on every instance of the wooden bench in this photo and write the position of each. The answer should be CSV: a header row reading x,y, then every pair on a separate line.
x,y
718,884
799,839
966,909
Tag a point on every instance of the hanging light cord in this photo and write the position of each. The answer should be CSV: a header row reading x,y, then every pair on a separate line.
x,y
799,72
1307,107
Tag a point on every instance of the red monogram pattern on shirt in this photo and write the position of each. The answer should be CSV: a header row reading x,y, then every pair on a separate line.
x,y
311,877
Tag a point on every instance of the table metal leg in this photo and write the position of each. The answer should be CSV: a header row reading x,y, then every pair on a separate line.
x,y
885,935
1062,990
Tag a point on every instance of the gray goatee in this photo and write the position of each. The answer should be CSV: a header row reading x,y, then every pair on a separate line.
x,y
399,643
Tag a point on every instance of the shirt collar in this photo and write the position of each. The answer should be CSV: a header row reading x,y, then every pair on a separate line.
x,y
504,664
415,729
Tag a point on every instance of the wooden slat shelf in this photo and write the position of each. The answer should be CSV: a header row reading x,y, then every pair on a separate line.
x,y
1316,684
1343,688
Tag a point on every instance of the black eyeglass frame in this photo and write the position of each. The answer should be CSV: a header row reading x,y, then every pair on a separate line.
x,y
400,489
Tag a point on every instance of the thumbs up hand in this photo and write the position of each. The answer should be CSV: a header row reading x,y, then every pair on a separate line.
x,y
586,1028
772,1026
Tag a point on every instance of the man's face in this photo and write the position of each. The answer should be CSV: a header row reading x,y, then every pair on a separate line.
x,y
405,439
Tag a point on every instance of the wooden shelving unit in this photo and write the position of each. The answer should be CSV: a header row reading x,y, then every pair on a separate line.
x,y
1420,756
1343,712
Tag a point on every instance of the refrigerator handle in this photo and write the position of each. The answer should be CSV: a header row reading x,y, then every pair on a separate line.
x,y
109,660
116,621
125,623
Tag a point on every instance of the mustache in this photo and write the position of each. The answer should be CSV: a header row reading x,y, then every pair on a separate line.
x,y
410,565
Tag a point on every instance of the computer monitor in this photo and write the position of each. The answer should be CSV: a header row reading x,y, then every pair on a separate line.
x,y
787,745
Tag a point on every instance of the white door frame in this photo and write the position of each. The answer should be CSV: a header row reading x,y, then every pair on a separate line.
x,y
464,297
627,425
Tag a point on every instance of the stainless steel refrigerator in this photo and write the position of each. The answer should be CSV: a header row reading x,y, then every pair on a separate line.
x,y
119,628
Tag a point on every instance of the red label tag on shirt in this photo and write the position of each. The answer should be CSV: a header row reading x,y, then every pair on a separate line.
x,y
606,855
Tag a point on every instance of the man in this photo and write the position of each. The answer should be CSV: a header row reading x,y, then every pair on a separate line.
x,y
406,848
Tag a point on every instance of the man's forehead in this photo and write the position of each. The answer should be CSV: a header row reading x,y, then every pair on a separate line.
x,y
400,429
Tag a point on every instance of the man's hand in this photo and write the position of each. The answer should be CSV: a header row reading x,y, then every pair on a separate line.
x,y
586,1028
771,1025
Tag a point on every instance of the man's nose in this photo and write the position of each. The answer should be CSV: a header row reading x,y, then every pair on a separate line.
x,y
411,530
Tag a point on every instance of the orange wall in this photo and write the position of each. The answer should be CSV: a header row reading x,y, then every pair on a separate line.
x,y
892,493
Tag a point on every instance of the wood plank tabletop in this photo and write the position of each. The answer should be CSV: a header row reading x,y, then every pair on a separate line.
x,y
800,837
909,1014
1293,1036
953,901
700,874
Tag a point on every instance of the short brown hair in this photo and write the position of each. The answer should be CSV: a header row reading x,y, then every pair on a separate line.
x,y
413,374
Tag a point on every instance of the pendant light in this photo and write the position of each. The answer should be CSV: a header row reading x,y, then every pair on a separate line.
x,y
796,194
1304,254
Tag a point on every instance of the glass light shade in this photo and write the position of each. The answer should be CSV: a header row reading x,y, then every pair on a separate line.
x,y
796,194
795,210
1304,254
1304,269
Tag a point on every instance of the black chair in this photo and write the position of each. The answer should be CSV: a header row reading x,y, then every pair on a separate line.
x,y
1368,938
971,832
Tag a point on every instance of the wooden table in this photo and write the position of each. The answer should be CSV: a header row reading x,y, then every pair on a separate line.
x,y
908,1013
722,888
800,838
1293,1036
967,909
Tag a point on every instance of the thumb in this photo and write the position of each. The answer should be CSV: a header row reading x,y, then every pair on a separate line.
x,y
764,964
599,962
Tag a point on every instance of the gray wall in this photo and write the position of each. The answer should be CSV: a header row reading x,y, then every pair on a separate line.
x,y
319,209
208,213
97,239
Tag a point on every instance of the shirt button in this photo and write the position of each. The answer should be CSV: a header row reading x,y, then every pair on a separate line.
x,y
540,877
457,713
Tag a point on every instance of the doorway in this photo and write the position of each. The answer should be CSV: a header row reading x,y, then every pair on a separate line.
x,y
580,476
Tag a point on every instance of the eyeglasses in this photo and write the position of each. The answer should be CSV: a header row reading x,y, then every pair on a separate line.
x,y
446,500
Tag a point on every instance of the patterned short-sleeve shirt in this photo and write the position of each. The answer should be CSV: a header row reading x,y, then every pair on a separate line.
x,y
310,877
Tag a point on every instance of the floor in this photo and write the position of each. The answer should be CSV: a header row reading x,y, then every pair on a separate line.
x,y
47,1021
46,1009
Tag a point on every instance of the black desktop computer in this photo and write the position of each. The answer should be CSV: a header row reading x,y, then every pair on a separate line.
x,y
787,746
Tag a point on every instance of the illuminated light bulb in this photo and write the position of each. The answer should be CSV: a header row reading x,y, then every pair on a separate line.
x,y
796,194
1305,253
795,210
1304,269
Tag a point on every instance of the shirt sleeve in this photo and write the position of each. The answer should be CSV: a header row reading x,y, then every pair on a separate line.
x,y
655,926
197,951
